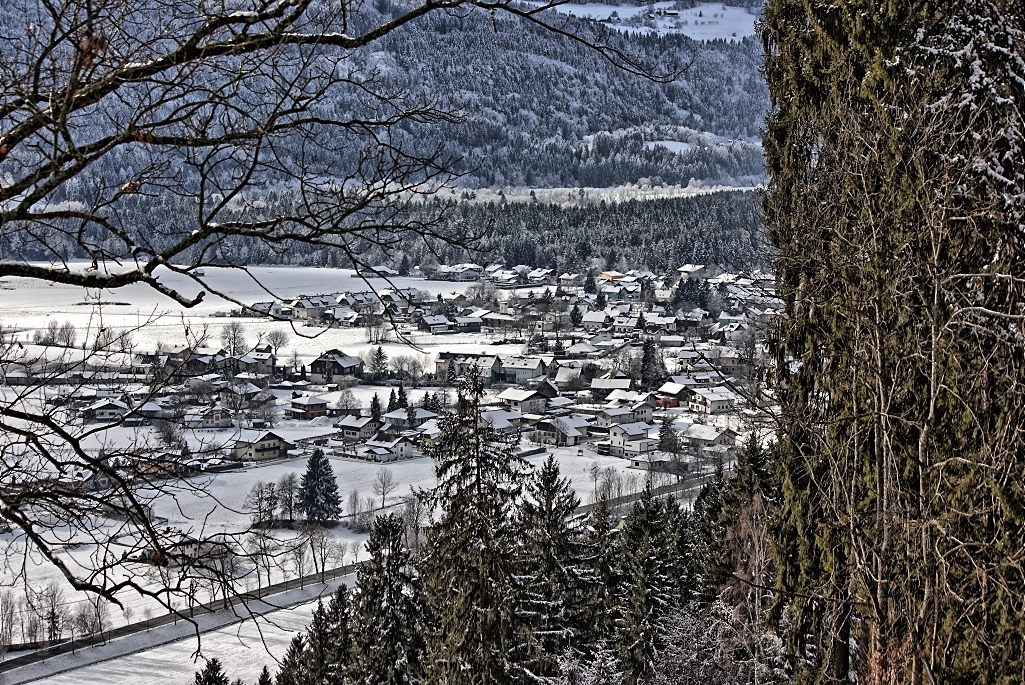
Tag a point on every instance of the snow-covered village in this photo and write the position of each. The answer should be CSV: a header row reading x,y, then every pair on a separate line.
x,y
623,378
512,342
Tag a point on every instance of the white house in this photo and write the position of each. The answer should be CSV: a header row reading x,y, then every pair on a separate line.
x,y
388,450
260,446
208,417
711,400
524,401
631,439
519,369
106,411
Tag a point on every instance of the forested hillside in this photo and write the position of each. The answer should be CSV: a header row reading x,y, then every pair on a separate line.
x,y
542,110
659,235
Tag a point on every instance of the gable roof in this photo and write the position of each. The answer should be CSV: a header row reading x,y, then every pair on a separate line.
x,y
517,395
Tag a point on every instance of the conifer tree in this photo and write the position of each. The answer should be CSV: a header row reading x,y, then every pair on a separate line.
x,y
265,677
590,282
318,491
212,674
451,377
559,586
392,402
647,591
894,148
293,665
401,401
601,551
375,408
470,559
712,535
379,362
668,438
389,610
576,316
601,301
329,654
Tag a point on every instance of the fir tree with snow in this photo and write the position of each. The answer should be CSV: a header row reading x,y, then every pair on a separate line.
x,y
212,674
576,316
471,555
389,609
375,408
318,492
558,585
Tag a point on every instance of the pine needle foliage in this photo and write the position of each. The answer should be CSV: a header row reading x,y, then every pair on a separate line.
x,y
318,491
558,585
894,145
471,555
390,610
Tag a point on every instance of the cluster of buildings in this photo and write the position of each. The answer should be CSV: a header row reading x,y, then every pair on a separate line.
x,y
579,377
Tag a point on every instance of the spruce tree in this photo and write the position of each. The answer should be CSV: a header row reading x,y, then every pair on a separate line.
x,y
590,282
668,438
601,544
401,401
265,677
894,148
389,610
559,585
451,378
212,674
293,665
329,653
576,316
375,408
470,558
647,591
601,301
392,402
318,491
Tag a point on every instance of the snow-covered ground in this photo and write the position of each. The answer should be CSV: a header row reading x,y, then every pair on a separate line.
x,y
705,21
168,654
671,145
28,305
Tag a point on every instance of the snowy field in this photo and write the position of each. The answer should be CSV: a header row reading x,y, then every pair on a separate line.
x,y
28,305
243,648
705,21
671,145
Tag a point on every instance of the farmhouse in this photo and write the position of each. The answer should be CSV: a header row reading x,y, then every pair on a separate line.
x,y
334,364
523,401
306,408
358,427
260,446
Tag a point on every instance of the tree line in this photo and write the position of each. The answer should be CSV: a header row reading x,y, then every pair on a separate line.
x,y
509,585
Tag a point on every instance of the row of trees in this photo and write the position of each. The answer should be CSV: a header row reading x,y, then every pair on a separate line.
x,y
510,586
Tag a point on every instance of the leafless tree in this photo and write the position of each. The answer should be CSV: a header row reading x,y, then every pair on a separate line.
x,y
233,338
288,493
168,432
277,339
66,335
111,110
352,506
384,484
8,618
347,403
415,516
261,503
